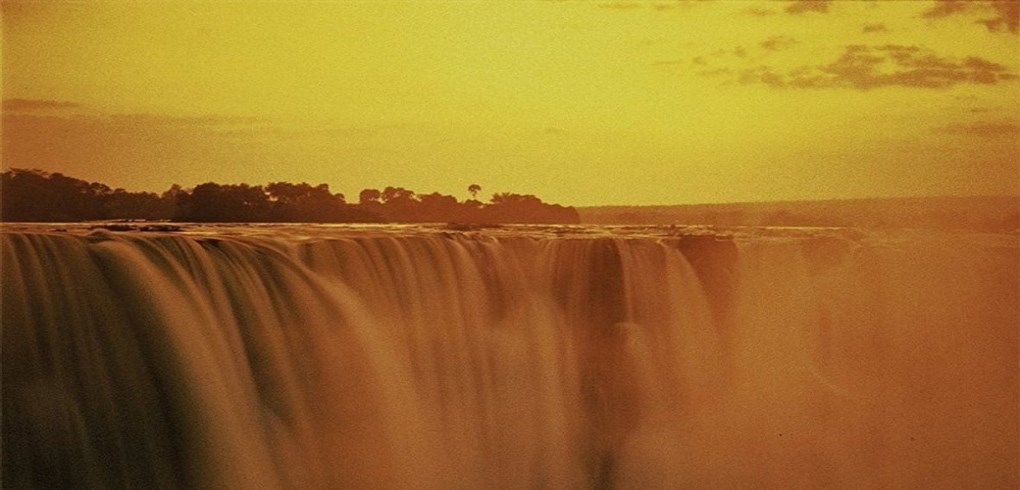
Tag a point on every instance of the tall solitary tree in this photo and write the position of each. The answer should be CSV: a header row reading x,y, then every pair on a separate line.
x,y
474,189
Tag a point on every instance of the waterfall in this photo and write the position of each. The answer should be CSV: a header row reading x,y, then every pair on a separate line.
x,y
474,360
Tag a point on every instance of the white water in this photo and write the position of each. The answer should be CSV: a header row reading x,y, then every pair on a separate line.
x,y
412,358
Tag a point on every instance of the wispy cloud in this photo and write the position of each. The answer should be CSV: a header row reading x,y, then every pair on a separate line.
x,y
708,64
759,12
873,28
865,67
945,8
658,6
797,7
793,7
985,129
32,105
204,126
55,110
737,51
555,131
675,4
778,43
996,16
148,119
620,5
38,119
1007,20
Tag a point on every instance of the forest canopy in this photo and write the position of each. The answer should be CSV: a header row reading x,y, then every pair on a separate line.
x,y
40,196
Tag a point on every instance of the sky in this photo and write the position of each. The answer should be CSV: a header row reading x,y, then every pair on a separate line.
x,y
577,102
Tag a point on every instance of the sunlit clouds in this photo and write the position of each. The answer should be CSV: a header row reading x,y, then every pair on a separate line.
x,y
868,67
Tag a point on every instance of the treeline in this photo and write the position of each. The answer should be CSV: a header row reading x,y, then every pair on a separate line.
x,y
38,196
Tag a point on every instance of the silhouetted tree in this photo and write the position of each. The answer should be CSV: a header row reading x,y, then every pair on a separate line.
x,y
305,203
138,205
508,207
436,207
369,195
474,189
35,195
397,194
211,202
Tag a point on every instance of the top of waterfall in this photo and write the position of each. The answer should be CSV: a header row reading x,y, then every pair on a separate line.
x,y
313,232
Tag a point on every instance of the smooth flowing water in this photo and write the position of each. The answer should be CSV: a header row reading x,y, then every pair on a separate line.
x,y
530,357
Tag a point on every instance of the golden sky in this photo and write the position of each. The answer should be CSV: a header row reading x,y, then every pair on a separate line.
x,y
578,102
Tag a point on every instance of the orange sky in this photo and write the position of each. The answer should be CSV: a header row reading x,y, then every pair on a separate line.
x,y
578,102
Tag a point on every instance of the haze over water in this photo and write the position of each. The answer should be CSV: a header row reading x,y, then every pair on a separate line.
x,y
520,357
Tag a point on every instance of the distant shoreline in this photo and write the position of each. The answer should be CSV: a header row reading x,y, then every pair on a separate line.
x,y
992,213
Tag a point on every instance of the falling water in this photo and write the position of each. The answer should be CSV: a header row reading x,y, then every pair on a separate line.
x,y
513,360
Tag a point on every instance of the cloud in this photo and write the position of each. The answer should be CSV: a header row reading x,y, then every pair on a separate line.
x,y
778,43
716,72
620,5
872,28
869,67
945,8
65,113
737,51
48,122
555,131
201,127
759,12
675,4
33,105
997,16
147,119
797,7
1007,20
664,6
659,6
983,129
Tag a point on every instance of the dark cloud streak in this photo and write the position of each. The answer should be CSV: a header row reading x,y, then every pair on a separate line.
x,y
759,12
32,105
620,5
797,7
778,43
1008,19
983,129
945,8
